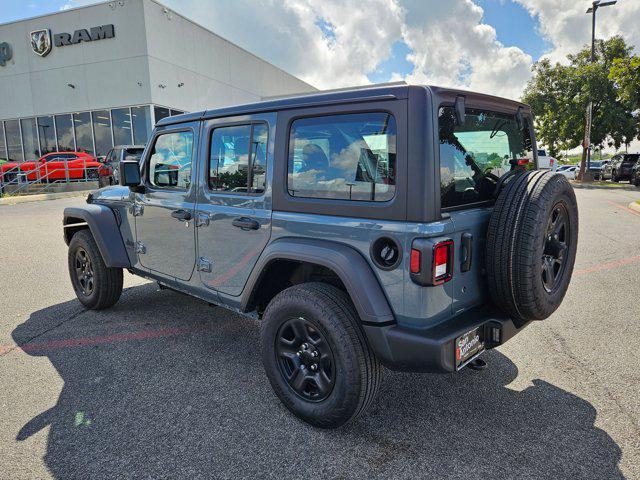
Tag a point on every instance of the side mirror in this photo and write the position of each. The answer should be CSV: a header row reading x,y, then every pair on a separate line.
x,y
130,175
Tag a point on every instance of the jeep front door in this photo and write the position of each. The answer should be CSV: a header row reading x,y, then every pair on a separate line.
x,y
165,231
234,210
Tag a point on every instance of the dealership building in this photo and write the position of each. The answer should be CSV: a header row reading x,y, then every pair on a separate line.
x,y
89,78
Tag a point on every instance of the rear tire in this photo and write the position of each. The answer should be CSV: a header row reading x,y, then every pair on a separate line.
x,y
531,245
96,285
347,373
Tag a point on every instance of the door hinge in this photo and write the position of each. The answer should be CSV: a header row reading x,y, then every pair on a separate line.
x,y
141,248
204,265
202,220
136,210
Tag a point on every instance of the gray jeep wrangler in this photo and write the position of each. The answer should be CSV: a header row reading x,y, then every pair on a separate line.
x,y
397,226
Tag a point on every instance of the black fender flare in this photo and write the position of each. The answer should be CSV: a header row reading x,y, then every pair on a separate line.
x,y
105,230
351,267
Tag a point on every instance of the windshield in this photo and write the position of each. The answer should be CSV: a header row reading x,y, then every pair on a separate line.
x,y
631,158
475,155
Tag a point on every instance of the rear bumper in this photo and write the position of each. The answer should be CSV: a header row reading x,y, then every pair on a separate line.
x,y
432,350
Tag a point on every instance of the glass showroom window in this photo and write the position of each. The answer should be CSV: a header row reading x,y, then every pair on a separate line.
x,y
141,120
30,139
102,131
82,126
3,146
122,132
176,112
14,142
160,113
47,135
64,128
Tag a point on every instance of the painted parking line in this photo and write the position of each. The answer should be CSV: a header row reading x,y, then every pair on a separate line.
x,y
99,340
607,266
623,207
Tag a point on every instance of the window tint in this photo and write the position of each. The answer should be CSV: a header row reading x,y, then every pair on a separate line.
x,y
84,138
64,128
14,141
141,122
30,138
348,157
3,150
47,135
121,126
473,156
102,131
170,163
238,159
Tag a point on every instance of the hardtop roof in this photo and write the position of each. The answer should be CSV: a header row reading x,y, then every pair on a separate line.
x,y
328,97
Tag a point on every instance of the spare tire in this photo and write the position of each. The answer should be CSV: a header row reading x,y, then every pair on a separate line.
x,y
531,245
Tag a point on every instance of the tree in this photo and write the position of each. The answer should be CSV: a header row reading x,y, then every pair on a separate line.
x,y
625,72
559,96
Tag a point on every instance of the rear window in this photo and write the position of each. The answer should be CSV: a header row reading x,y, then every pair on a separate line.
x,y
473,156
343,157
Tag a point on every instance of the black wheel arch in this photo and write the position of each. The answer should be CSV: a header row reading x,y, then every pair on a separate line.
x,y
348,265
103,224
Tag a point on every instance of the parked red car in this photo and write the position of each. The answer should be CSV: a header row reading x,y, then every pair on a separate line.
x,y
54,166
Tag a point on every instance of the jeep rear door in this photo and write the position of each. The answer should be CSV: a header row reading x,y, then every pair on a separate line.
x,y
234,203
472,157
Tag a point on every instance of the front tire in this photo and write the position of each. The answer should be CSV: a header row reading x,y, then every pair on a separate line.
x,y
316,356
96,285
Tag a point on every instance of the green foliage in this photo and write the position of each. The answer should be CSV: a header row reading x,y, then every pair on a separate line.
x,y
559,96
625,72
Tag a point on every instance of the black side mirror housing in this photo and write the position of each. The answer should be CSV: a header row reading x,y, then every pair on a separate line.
x,y
130,175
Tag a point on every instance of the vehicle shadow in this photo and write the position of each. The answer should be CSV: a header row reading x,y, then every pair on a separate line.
x,y
194,402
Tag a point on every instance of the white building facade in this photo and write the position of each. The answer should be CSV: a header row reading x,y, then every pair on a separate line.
x,y
89,78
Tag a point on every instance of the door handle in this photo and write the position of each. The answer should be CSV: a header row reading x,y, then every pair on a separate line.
x,y
182,215
245,223
467,251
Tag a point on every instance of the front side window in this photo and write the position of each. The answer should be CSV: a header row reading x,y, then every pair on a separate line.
x,y
238,159
343,157
475,155
170,162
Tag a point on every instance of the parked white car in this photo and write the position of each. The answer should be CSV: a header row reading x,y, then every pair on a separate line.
x,y
546,162
569,171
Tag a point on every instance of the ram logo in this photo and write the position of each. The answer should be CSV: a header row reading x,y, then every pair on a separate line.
x,y
41,41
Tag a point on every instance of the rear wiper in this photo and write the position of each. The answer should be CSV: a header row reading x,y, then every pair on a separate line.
x,y
496,128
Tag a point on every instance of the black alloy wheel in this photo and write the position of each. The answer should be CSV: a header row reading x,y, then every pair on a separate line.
x,y
84,272
556,246
305,359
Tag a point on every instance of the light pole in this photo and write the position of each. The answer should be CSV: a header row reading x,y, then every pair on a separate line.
x,y
595,5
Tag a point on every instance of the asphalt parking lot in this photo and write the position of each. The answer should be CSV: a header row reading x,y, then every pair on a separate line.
x,y
163,386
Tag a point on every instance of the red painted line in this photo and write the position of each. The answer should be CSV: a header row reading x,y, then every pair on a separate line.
x,y
99,340
607,266
623,207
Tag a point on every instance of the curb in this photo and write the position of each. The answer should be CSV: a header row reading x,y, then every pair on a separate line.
x,y
635,206
43,196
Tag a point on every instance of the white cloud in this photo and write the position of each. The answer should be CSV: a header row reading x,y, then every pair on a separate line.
x,y
452,47
568,27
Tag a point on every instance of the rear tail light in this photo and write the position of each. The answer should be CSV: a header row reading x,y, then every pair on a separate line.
x,y
442,262
523,161
431,261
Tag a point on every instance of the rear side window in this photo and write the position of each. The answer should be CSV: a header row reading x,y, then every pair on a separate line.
x,y
345,157
473,156
170,163
238,159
